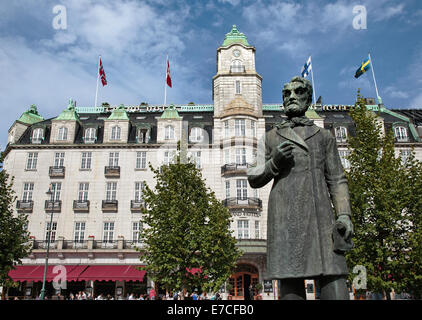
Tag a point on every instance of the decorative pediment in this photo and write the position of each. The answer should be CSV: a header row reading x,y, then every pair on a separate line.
x,y
238,106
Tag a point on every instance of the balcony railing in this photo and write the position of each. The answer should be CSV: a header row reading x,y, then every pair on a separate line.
x,y
243,203
87,244
53,205
24,206
110,244
42,244
110,205
112,171
81,206
235,168
137,205
57,172
72,244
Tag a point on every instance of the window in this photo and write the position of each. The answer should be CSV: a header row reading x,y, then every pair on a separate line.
x,y
253,128
242,189
227,189
115,133
227,156
79,232
400,133
90,136
37,135
241,156
56,188
136,232
169,133
404,156
83,191
141,160
341,134
197,159
243,229
168,157
143,135
343,157
28,189
31,162
108,232
257,229
86,160
237,87
111,190
62,134
237,66
239,127
113,159
50,231
226,129
58,159
196,134
139,191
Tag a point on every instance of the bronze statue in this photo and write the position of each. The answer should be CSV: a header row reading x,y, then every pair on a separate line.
x,y
306,238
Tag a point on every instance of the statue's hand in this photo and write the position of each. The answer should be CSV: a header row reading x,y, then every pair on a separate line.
x,y
282,153
345,226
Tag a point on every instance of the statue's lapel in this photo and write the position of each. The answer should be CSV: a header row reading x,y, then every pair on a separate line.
x,y
311,131
288,133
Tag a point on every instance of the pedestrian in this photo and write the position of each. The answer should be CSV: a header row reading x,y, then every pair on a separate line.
x,y
71,296
152,294
194,296
131,297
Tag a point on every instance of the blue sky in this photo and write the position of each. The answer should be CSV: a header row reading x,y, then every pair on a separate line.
x,y
46,66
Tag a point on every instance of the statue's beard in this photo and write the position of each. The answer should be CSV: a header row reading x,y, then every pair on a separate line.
x,y
295,110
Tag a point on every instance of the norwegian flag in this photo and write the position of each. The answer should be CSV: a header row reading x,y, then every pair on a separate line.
x,y
102,74
168,78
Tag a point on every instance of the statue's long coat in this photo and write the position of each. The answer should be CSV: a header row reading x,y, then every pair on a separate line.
x,y
300,207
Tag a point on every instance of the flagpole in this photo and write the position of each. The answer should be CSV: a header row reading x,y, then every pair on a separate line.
x,y
313,83
165,83
373,75
98,77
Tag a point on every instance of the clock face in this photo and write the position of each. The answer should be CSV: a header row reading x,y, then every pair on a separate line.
x,y
236,53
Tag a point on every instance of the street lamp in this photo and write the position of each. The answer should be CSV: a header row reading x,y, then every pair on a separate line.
x,y
42,295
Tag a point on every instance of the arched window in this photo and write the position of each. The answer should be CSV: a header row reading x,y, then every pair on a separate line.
x,y
37,135
115,133
62,134
89,135
169,133
196,134
142,135
341,134
400,133
237,66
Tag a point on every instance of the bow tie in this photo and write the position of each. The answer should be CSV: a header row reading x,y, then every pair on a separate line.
x,y
297,121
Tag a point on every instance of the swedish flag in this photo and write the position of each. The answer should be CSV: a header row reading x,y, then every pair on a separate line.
x,y
365,66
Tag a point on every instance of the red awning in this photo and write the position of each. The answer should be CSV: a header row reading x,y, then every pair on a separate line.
x,y
113,273
36,273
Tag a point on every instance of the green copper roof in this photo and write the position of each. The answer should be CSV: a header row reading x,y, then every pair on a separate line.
x,y
311,114
170,113
69,113
31,116
235,36
119,114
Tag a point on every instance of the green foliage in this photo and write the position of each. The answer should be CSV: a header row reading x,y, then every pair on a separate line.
x,y
386,204
13,235
186,227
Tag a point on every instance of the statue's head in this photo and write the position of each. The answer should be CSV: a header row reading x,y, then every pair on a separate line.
x,y
297,97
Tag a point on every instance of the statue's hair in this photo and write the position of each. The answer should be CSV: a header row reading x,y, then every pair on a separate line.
x,y
306,83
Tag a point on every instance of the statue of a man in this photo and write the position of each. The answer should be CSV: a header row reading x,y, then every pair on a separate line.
x,y
309,225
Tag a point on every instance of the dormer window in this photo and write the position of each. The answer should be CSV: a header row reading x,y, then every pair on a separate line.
x,y
142,135
37,135
90,135
196,135
341,134
62,134
115,133
237,66
169,133
400,133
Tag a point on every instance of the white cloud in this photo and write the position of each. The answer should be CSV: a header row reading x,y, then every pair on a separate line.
x,y
417,102
232,2
394,92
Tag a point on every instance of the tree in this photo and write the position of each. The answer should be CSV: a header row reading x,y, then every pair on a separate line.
x,y
188,242
386,204
14,238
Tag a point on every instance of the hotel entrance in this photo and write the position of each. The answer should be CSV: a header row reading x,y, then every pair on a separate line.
x,y
244,276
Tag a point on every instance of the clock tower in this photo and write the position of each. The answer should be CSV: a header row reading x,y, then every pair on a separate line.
x,y
237,85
